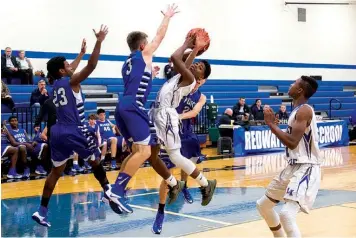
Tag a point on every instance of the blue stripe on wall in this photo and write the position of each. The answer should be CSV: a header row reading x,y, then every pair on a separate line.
x,y
71,56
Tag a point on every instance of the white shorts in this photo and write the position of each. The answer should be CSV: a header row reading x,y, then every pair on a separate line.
x,y
166,121
299,182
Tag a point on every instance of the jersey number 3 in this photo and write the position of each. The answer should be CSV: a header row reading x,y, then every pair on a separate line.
x,y
60,97
129,67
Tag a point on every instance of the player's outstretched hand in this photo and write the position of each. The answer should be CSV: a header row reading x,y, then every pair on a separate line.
x,y
171,11
100,36
200,42
84,47
190,42
269,116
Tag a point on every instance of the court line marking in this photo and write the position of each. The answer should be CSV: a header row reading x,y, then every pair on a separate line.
x,y
184,215
83,203
142,194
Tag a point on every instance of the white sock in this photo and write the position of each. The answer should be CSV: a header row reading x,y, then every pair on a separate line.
x,y
75,162
265,208
288,217
102,157
172,181
202,180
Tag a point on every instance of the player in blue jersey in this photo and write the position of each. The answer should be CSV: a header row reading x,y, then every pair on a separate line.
x,y
34,149
107,133
10,150
189,107
69,135
131,117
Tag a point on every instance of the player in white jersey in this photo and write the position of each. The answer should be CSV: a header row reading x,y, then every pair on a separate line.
x,y
166,118
298,184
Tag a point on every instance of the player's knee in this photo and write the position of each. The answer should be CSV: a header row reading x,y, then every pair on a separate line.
x,y
22,149
181,162
264,203
144,151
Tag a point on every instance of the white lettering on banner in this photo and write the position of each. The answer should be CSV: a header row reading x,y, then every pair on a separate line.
x,y
329,134
247,140
258,139
272,163
253,140
273,141
321,134
266,139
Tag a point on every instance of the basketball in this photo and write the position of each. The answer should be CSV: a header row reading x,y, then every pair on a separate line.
x,y
200,32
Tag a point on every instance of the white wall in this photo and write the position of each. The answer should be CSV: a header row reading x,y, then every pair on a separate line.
x,y
259,30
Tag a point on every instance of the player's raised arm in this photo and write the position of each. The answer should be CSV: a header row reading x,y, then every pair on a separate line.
x,y
303,119
77,60
161,32
77,78
196,109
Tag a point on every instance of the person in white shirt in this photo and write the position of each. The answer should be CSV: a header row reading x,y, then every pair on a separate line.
x,y
25,67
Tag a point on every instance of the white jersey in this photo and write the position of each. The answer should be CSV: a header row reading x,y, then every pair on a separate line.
x,y
170,94
307,151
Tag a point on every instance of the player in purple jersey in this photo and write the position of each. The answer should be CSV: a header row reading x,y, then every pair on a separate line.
x,y
10,150
107,132
33,148
131,117
69,135
189,107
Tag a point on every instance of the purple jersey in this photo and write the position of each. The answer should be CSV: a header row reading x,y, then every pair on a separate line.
x,y
187,104
105,129
137,79
37,137
69,108
19,135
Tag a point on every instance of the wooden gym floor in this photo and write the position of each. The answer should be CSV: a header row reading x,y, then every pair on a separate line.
x,y
76,210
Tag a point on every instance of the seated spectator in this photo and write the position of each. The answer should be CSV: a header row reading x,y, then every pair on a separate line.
x,y
107,133
25,67
39,95
241,110
257,110
226,118
8,150
168,70
93,127
9,66
282,114
33,148
6,99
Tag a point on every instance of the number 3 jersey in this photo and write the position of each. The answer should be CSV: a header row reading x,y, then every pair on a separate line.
x,y
307,150
69,104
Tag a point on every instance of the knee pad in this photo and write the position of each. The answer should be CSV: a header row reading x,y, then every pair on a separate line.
x,y
288,217
181,162
264,204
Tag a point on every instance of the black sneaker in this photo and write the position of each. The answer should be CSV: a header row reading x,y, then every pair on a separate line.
x,y
174,192
208,192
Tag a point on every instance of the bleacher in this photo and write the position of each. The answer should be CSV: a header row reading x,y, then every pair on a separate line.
x,y
104,93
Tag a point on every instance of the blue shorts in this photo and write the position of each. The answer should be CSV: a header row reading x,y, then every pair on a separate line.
x,y
37,152
190,149
133,122
67,139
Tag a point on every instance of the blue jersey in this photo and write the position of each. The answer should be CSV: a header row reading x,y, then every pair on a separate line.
x,y
137,79
37,137
187,104
4,140
105,129
69,108
19,135
92,129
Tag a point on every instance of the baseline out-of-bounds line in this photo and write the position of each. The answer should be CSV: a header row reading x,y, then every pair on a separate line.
x,y
183,215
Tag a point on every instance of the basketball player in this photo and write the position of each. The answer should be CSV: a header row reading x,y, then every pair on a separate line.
x,y
69,135
131,117
189,108
33,148
166,118
298,184
107,133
